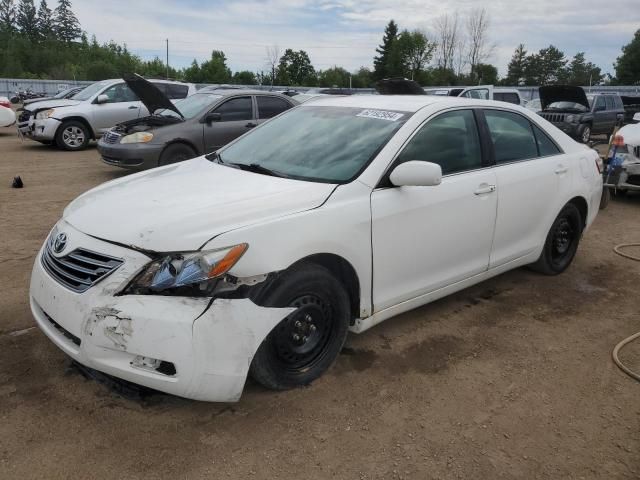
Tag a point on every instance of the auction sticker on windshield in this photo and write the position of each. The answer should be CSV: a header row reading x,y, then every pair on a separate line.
x,y
381,115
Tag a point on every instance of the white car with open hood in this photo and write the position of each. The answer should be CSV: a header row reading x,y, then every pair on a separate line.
x,y
329,218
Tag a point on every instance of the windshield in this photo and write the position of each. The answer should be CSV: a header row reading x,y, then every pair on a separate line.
x,y
191,106
567,106
325,144
91,90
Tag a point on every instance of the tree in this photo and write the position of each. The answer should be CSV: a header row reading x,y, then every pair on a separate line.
x,y
580,72
485,74
628,64
193,74
295,69
516,68
547,67
447,31
335,76
479,48
7,16
244,78
65,23
215,69
27,19
273,58
45,20
381,61
363,78
415,51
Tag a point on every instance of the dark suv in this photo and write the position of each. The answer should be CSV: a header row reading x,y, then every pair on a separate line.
x,y
580,115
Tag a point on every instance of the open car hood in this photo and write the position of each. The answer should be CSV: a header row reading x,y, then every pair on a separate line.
x,y
562,93
149,94
399,86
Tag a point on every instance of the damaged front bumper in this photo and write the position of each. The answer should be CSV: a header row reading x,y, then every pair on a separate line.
x,y
43,131
623,171
190,347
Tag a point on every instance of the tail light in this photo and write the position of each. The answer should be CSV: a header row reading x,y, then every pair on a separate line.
x,y
618,141
599,165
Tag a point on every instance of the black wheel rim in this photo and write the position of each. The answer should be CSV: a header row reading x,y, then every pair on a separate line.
x,y
565,235
300,340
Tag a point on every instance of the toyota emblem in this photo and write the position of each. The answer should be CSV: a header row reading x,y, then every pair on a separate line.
x,y
60,242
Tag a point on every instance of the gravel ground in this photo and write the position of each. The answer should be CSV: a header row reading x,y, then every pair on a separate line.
x,y
512,378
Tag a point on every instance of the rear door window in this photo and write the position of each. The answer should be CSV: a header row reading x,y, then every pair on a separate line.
x,y
546,146
271,106
451,140
512,136
175,92
236,109
507,97
610,103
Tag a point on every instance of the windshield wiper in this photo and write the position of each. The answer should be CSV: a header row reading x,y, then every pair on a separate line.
x,y
256,168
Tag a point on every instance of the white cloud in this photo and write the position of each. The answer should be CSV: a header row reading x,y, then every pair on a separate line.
x,y
346,32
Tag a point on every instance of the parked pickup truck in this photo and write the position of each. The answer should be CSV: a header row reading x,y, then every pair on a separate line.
x,y
580,115
71,124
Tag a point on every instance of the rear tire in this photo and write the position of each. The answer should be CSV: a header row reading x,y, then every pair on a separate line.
x,y
72,136
304,344
177,152
562,242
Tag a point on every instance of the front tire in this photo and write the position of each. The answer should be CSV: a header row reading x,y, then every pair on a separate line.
x,y
585,134
305,343
177,152
72,136
562,242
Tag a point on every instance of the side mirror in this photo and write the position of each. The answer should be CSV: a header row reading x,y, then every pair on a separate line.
x,y
416,173
212,117
636,117
102,99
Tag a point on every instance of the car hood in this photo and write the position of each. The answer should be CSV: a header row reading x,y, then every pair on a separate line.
x,y
35,100
149,94
180,207
45,104
562,93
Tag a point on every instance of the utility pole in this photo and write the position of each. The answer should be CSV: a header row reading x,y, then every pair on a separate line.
x,y
167,59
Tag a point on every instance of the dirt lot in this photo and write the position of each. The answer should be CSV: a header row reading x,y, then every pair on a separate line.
x,y
509,379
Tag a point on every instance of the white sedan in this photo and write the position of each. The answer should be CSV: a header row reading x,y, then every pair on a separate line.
x,y
330,218
7,116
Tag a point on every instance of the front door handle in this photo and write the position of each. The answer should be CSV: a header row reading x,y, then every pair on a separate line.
x,y
561,169
132,107
251,125
485,189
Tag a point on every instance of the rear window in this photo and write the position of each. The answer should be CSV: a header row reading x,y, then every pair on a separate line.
x,y
509,97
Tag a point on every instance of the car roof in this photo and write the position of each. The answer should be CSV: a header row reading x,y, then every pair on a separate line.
x,y
405,103
240,92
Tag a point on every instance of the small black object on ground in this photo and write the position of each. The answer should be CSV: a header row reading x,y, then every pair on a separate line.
x,y
17,182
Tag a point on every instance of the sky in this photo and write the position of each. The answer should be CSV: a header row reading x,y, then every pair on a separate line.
x,y
347,32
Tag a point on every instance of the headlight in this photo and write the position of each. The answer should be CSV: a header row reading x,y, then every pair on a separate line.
x,y
179,270
570,118
138,137
44,114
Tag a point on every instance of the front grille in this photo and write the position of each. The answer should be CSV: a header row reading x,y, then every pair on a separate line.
x,y
112,137
80,269
24,116
553,117
63,331
634,180
612,176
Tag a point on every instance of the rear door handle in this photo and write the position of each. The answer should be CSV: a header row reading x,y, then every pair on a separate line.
x,y
251,125
133,107
485,189
561,169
